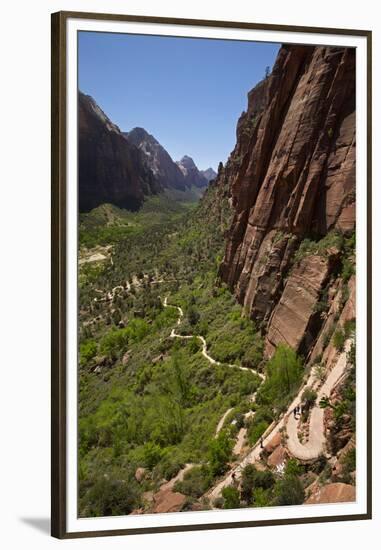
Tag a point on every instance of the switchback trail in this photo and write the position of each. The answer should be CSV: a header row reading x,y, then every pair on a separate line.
x,y
316,443
204,351
316,440
212,361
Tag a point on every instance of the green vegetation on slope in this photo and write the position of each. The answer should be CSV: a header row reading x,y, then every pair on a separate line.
x,y
147,400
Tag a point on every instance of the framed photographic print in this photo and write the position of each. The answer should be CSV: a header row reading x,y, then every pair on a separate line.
x,y
211,302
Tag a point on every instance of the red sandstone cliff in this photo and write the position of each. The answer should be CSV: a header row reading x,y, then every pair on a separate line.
x,y
291,176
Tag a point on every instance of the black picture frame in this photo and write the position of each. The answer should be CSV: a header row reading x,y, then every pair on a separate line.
x,y
59,272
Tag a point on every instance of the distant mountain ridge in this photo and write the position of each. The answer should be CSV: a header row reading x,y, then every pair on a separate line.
x,y
110,169
209,174
157,158
192,174
123,168
181,175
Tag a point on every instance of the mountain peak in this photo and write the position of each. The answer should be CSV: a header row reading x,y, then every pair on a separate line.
x,y
187,162
191,173
209,174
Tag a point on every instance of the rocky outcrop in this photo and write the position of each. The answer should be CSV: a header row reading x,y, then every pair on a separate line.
x,y
292,319
332,493
166,171
291,176
192,175
110,169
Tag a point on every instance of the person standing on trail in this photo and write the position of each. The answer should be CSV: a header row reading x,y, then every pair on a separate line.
x,y
295,411
262,443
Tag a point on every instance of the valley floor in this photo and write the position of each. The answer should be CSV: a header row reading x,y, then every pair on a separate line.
x,y
178,408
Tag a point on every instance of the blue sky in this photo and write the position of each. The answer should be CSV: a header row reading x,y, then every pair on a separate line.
x,y
187,92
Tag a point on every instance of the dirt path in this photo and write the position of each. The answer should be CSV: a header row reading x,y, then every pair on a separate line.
x,y
240,442
315,445
222,420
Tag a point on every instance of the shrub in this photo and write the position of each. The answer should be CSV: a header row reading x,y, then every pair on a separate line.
x,y
309,397
231,497
284,374
196,481
293,468
110,497
152,454
87,351
193,316
256,429
309,247
349,464
116,341
167,468
339,339
261,497
289,491
349,327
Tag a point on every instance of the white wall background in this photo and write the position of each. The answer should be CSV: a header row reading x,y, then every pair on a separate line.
x,y
25,271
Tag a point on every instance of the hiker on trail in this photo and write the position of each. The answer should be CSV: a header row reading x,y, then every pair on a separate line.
x,y
295,411
262,442
233,477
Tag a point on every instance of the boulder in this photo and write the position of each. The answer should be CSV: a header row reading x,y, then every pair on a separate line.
x,y
273,443
168,501
333,492
277,457
140,474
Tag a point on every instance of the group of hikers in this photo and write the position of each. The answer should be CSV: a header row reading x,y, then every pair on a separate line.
x,y
298,410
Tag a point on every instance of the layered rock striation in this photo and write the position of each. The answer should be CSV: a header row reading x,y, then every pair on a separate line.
x,y
290,177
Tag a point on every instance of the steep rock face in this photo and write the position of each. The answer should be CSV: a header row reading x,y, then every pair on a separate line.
x,y
291,176
192,175
157,158
292,321
110,168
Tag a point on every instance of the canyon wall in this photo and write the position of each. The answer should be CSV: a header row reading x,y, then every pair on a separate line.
x,y
110,169
291,177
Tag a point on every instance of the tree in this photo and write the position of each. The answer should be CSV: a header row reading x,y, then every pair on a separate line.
x,y
252,480
220,451
179,386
